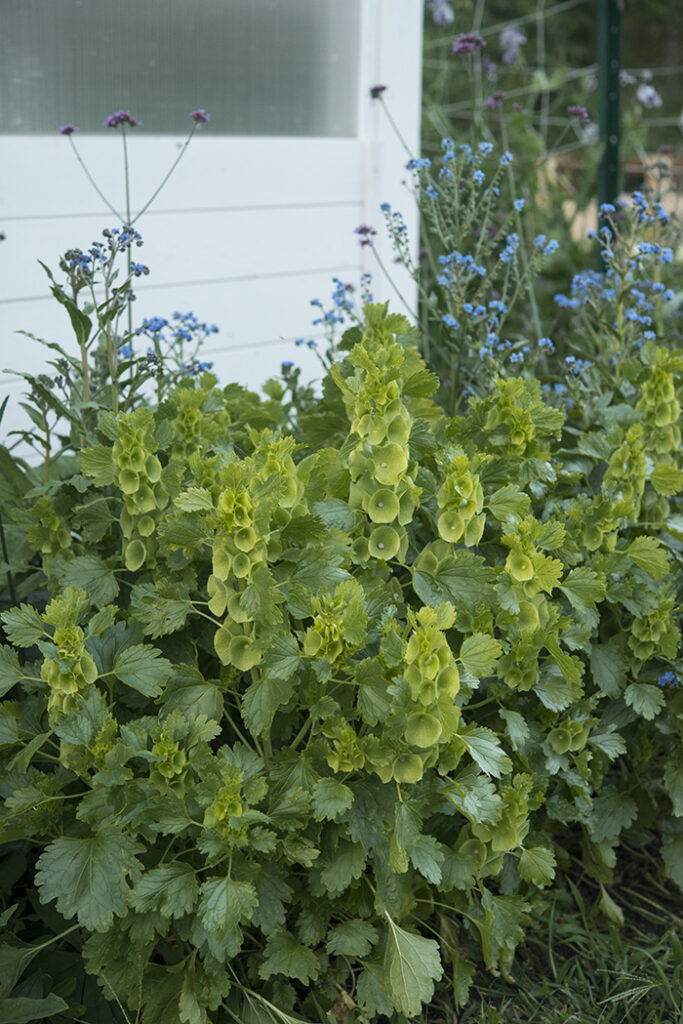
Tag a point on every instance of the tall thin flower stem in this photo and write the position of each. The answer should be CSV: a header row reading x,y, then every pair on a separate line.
x,y
168,175
129,258
92,180
396,128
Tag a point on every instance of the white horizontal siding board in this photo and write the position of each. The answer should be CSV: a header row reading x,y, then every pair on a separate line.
x,y
244,234
206,246
41,176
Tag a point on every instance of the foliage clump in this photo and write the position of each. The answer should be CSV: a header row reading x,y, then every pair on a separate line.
x,y
273,700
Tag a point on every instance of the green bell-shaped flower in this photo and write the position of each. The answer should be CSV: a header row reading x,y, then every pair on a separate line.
x,y
383,506
135,555
408,768
423,729
451,526
244,653
390,462
384,543
519,566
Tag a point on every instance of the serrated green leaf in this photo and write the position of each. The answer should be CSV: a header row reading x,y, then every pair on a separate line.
x,y
330,799
194,499
583,588
284,955
159,608
371,993
170,888
98,464
223,905
272,892
88,877
260,702
649,555
142,668
352,938
22,1009
508,501
91,574
475,796
608,665
465,581
502,927
479,654
644,698
346,864
9,732
102,620
23,625
673,787
411,966
667,479
282,657
537,865
187,691
613,811
516,727
609,742
10,669
484,748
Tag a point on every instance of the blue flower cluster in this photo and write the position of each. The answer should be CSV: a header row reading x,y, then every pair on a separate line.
x,y
466,261
668,679
186,327
508,253
546,247
100,257
194,368
575,366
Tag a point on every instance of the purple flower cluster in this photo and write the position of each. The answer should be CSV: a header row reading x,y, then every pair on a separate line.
x,y
121,117
580,112
376,91
495,101
468,42
67,129
365,233
200,116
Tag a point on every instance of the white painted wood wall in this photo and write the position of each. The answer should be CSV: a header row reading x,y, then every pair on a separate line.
x,y
247,231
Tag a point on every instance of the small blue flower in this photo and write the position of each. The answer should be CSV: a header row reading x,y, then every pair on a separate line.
x,y
546,343
449,320
479,177
385,207
667,679
287,365
606,208
519,204
666,256
506,159
431,192
126,351
485,148
443,280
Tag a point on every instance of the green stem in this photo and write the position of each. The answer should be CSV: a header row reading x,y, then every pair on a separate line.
x,y
10,579
168,175
92,180
129,259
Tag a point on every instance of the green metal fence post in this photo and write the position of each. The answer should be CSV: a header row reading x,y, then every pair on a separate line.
x,y
609,43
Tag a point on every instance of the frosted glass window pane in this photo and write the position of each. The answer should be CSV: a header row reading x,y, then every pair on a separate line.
x,y
261,67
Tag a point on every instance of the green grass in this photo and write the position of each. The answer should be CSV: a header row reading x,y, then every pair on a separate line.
x,y
578,968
